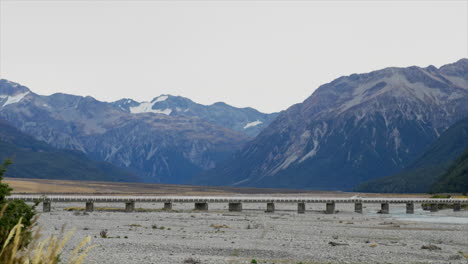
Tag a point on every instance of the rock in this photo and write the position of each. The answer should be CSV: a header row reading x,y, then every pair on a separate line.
x,y
337,244
430,247
455,257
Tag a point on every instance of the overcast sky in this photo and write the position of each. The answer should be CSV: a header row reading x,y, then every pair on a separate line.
x,y
264,54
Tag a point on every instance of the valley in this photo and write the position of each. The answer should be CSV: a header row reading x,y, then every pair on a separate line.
x,y
381,131
183,235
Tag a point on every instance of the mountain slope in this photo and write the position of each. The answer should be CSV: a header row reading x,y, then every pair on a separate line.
x,y
244,120
455,179
36,159
354,129
425,170
158,147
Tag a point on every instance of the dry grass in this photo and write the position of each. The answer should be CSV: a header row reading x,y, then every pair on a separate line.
x,y
46,251
42,186
34,186
39,186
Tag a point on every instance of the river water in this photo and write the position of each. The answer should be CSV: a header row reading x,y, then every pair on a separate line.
x,y
443,216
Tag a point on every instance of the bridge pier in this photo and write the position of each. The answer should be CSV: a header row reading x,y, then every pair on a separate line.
x,y
434,207
410,208
130,206
384,208
235,207
270,208
301,208
358,208
330,209
89,207
46,206
201,206
167,206
456,207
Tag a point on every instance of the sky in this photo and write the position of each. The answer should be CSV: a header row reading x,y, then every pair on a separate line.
x,y
263,54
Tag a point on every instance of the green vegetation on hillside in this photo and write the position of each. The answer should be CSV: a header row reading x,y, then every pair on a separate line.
x,y
36,159
455,179
425,170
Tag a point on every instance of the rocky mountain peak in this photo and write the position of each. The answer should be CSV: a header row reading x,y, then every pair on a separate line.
x,y
12,93
247,121
11,88
355,128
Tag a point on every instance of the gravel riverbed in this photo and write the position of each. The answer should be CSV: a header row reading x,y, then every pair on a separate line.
x,y
218,236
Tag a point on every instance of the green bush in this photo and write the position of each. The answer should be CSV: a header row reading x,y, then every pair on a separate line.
x,y
13,211
441,196
5,190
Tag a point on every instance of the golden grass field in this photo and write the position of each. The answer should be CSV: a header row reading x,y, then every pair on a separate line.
x,y
119,188
43,186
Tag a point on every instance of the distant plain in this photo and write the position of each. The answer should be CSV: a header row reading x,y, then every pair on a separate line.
x,y
41,186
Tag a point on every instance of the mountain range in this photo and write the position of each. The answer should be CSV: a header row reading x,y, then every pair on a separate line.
x,y
244,120
424,171
36,159
351,130
158,147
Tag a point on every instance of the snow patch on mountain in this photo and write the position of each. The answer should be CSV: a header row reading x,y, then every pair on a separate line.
x,y
14,98
166,111
144,107
252,124
147,107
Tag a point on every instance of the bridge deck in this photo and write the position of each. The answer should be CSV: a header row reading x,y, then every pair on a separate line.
x,y
233,199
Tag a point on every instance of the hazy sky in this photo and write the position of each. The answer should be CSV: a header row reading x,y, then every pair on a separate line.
x,y
264,54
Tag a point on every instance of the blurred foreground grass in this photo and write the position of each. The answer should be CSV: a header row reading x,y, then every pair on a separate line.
x,y
39,251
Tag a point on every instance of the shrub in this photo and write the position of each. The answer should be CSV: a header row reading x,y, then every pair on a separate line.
x,y
5,190
441,196
103,234
13,212
16,221
191,261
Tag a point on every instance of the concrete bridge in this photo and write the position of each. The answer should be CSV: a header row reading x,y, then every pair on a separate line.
x,y
235,203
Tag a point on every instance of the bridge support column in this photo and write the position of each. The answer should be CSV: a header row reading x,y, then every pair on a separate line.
x,y
410,208
301,208
235,207
456,207
270,208
384,208
89,206
358,208
46,206
167,206
130,206
201,206
434,207
330,209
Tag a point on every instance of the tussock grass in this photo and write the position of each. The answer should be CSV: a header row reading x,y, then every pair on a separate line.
x,y
45,251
